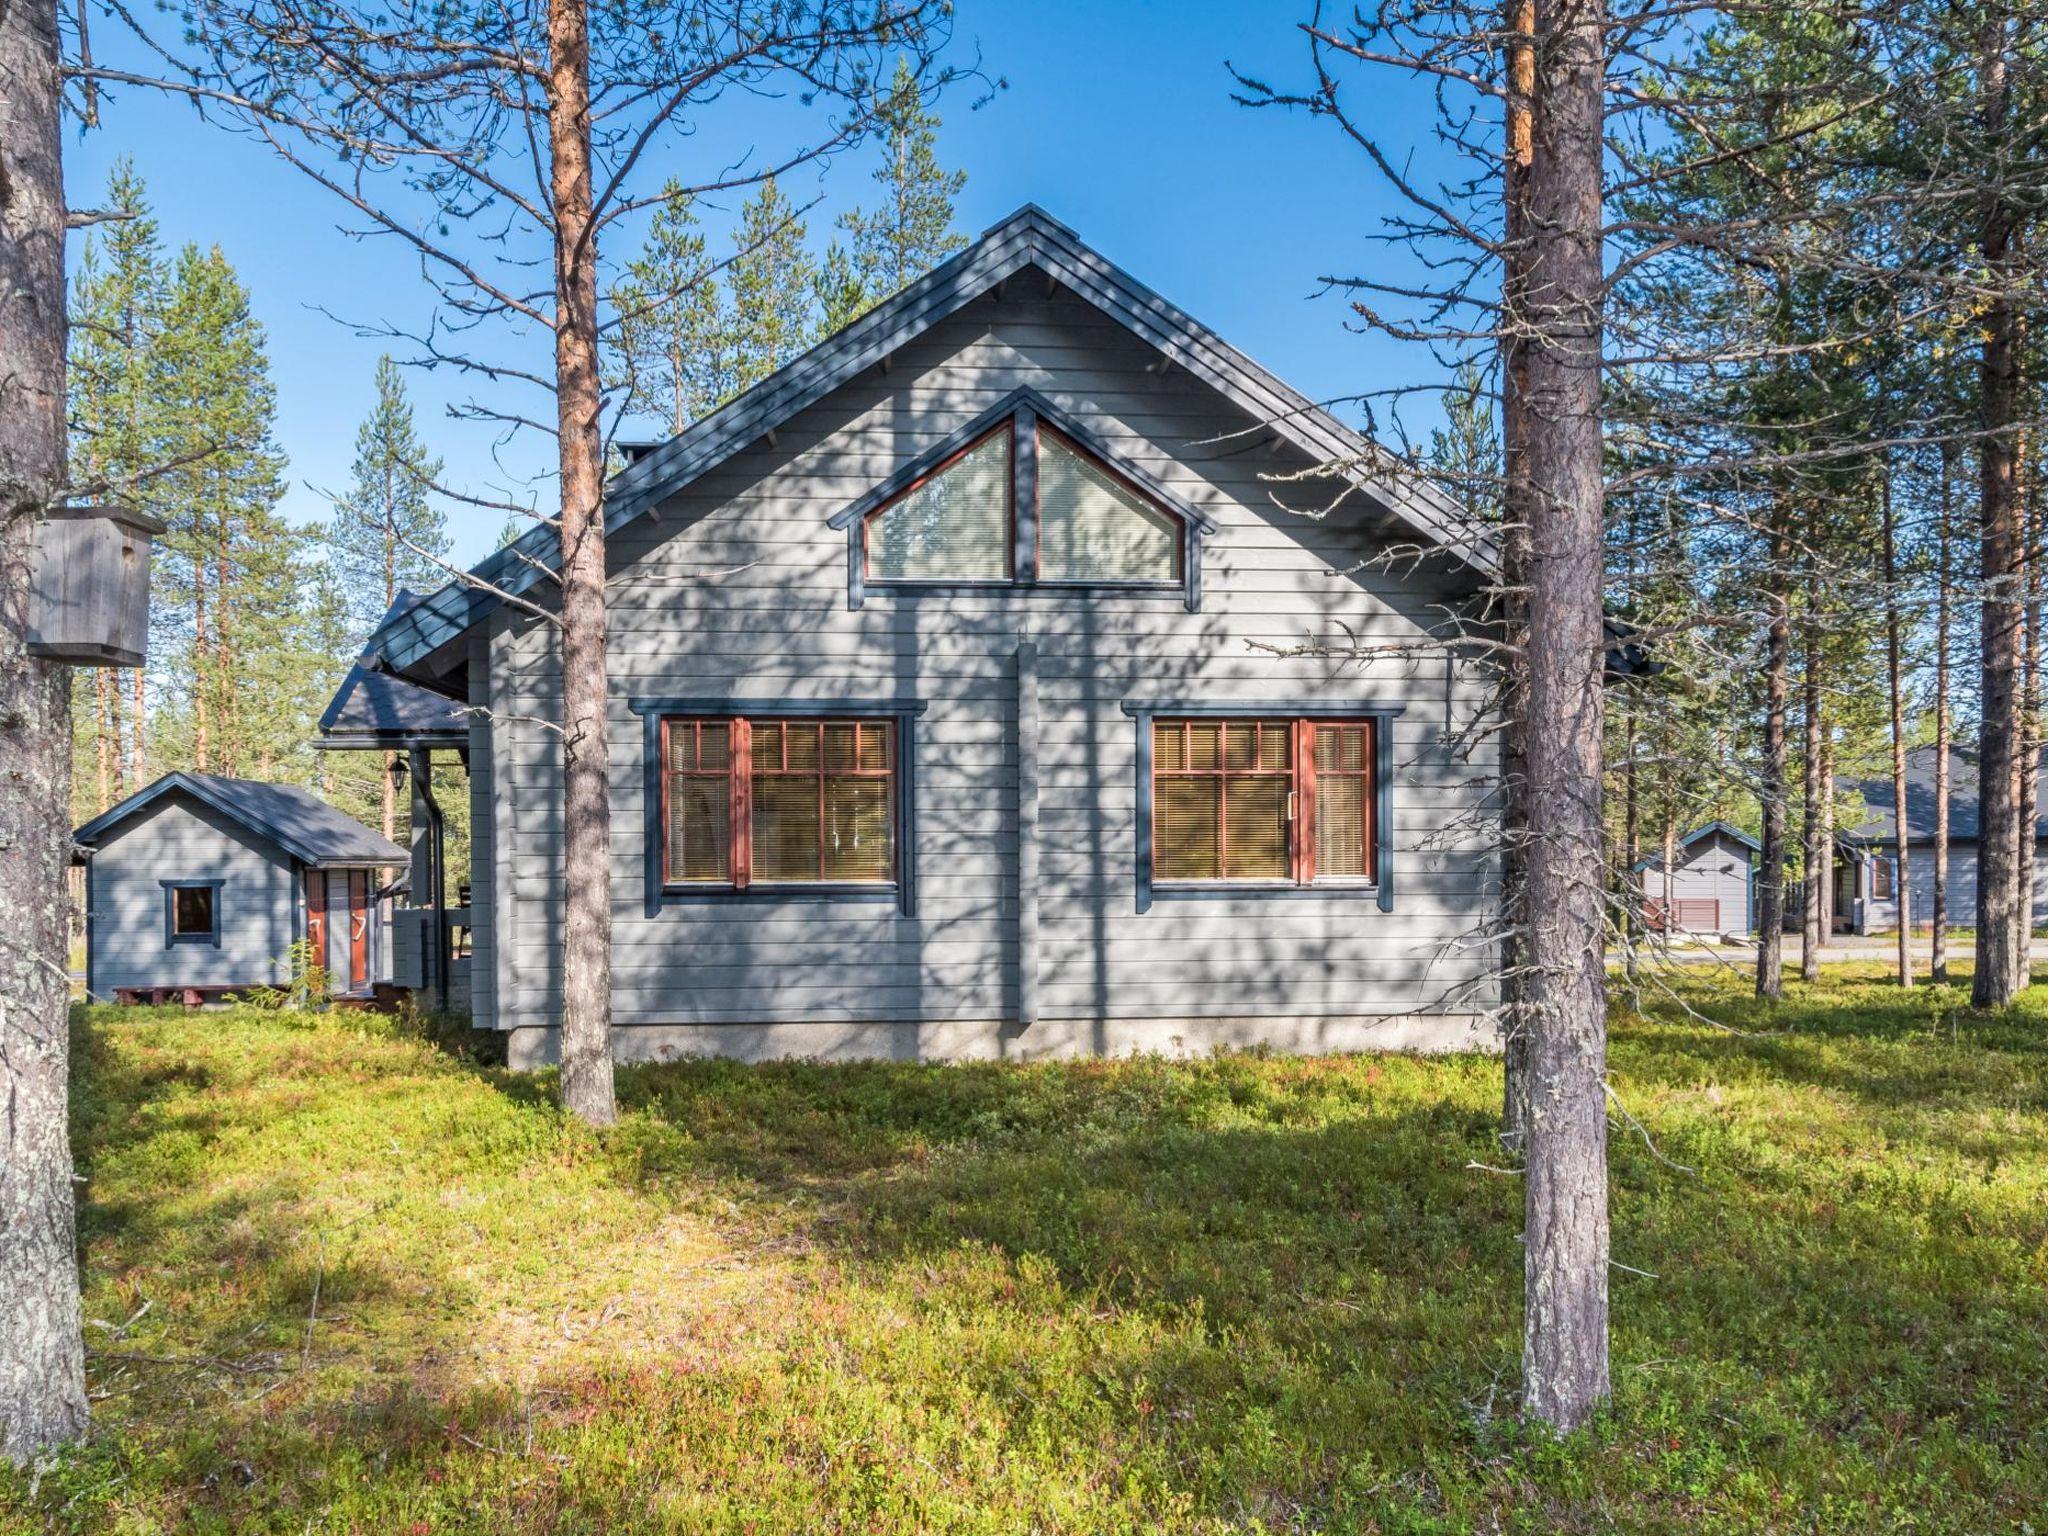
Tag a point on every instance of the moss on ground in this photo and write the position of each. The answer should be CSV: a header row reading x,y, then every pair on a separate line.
x,y
1244,1294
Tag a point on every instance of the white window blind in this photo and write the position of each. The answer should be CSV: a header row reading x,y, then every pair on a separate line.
x,y
1093,527
953,527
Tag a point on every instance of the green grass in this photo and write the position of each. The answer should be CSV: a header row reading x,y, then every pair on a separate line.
x,y
1244,1294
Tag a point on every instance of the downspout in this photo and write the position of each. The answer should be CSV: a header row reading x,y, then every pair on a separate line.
x,y
422,765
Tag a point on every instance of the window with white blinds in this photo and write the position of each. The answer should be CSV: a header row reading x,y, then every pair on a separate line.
x,y
1092,526
759,801
1028,500
953,525
1254,801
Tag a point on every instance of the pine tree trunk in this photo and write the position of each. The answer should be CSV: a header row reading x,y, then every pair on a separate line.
x,y
202,667
1894,670
42,1355
390,797
587,921
1631,840
138,762
1997,972
1817,888
2029,774
1519,21
226,696
1770,880
1564,1338
103,736
1937,964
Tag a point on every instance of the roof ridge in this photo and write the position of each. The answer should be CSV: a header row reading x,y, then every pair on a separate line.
x,y
1027,237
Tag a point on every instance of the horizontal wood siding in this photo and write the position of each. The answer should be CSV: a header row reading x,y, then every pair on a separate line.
x,y
1962,889
740,589
481,968
177,838
1715,869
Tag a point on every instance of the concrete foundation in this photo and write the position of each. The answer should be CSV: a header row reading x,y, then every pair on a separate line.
x,y
995,1040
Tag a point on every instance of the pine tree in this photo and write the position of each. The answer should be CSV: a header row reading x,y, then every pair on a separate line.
x,y
117,304
671,350
232,566
1466,449
771,278
912,231
842,290
385,535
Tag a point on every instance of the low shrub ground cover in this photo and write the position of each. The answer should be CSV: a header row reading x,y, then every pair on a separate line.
x,y
342,1279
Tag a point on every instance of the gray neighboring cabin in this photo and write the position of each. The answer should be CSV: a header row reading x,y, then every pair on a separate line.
x,y
198,885
1712,889
1866,855
1020,548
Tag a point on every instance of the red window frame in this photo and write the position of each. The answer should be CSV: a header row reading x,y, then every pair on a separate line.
x,y
1302,774
1008,428
740,774
1180,528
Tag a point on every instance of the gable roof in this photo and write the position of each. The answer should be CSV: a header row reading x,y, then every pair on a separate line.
x,y
1700,834
296,820
1028,238
376,709
1879,824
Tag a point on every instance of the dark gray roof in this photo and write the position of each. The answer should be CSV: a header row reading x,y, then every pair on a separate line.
x,y
1878,825
1028,238
375,709
1704,830
296,820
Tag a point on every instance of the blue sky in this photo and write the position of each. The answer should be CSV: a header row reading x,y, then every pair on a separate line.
x,y
1117,118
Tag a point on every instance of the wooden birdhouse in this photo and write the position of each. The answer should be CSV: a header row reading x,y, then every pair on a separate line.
x,y
89,598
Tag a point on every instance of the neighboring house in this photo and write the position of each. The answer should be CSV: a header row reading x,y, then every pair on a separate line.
x,y
198,886
971,696
1866,855
1712,887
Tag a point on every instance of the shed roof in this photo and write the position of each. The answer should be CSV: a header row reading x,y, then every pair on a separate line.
x,y
1701,833
1029,238
296,820
1878,826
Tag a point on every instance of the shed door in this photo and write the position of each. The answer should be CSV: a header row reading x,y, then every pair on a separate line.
x,y
338,925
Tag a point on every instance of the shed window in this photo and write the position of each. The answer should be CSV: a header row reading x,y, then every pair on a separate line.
x,y
760,801
191,911
1267,801
1094,526
1882,883
952,525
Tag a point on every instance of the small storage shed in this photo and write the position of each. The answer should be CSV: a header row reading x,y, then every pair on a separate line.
x,y
199,886
1712,888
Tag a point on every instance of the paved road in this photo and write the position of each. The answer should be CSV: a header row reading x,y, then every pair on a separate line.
x,y
1845,948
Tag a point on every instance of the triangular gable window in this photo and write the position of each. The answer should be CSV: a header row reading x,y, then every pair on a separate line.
x,y
1093,526
953,524
1023,496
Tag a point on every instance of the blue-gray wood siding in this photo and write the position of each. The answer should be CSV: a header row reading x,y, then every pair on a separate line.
x,y
1716,868
741,588
484,814
1873,916
178,838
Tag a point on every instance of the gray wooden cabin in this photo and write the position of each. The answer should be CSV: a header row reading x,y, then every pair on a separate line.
x,y
198,886
1025,549
1867,853
1712,886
